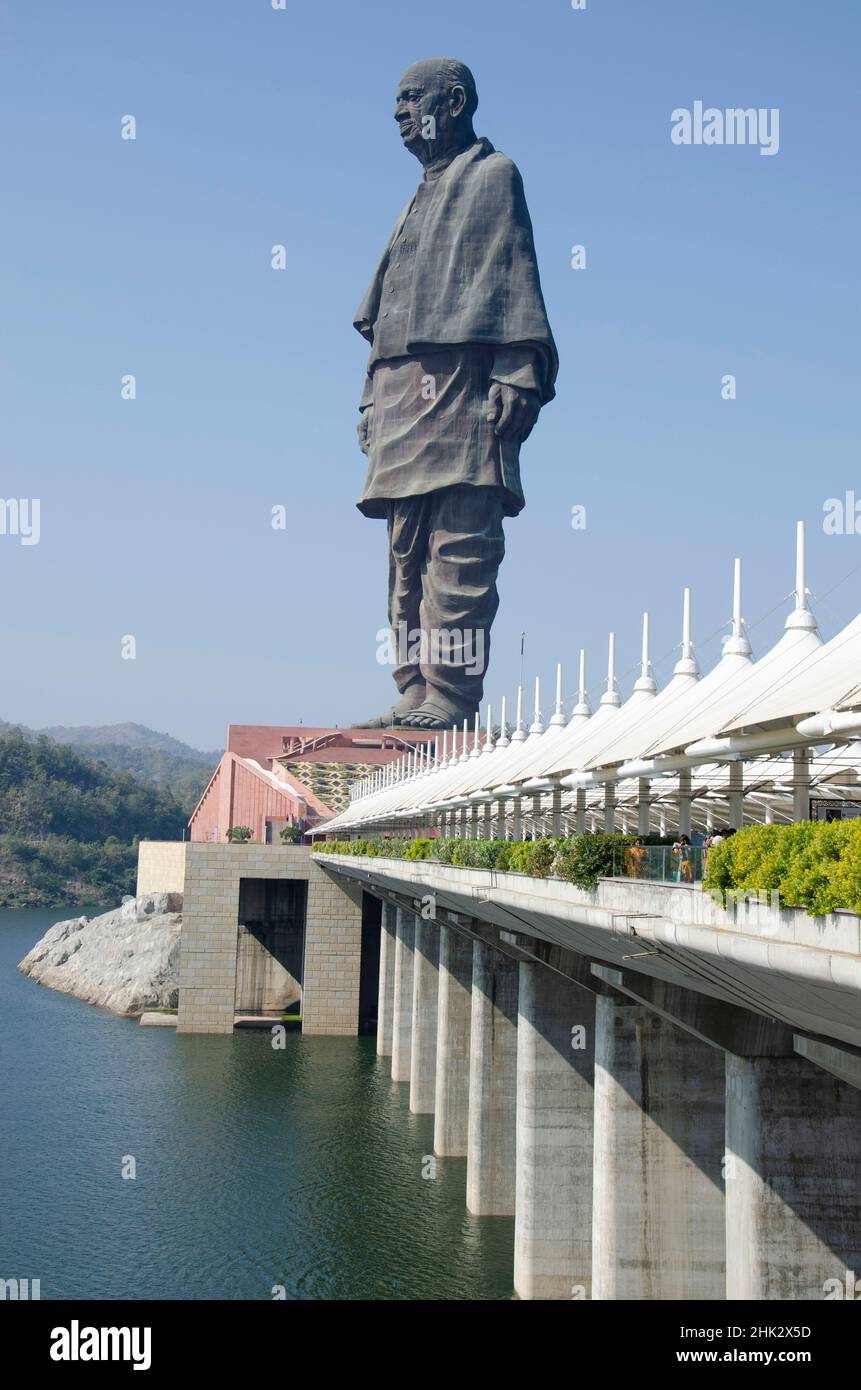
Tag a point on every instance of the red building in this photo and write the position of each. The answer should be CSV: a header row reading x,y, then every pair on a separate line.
x,y
272,777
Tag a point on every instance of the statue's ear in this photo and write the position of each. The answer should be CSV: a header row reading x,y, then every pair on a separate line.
x,y
457,99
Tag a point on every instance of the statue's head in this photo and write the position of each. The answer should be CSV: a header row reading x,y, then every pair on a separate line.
x,y
434,107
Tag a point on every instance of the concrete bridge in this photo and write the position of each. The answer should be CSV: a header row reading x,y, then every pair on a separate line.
x,y
663,1093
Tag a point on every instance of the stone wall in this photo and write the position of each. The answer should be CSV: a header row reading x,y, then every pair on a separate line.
x,y
210,932
161,867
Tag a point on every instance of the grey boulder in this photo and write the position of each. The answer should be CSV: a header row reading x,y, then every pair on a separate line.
x,y
126,960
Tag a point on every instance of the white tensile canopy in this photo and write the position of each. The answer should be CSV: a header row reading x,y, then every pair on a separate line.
x,y
802,692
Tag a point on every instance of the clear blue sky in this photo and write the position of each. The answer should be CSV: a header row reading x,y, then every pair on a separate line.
x,y
257,127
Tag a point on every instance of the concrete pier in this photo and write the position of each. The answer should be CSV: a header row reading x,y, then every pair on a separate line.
x,y
425,997
386,1001
490,1169
658,1218
451,1106
617,1030
555,1075
793,1194
402,996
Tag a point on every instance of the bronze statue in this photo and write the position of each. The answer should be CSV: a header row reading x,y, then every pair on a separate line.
x,y
462,360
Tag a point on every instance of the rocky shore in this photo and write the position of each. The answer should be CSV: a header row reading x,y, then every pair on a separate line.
x,y
126,960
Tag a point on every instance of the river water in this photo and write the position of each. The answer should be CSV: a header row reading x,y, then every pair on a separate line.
x,y
255,1168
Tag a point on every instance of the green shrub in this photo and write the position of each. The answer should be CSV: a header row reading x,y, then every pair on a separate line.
x,y
462,853
443,850
488,853
418,849
583,859
845,874
812,864
503,855
534,857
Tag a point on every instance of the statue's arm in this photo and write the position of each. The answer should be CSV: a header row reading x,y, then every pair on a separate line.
x,y
514,398
366,415
517,365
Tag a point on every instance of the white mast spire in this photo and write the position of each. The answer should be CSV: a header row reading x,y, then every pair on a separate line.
x,y
558,719
488,733
611,694
519,732
537,725
801,616
737,644
503,741
581,709
646,680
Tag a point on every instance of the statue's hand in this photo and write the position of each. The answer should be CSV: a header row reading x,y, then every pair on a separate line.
x,y
363,429
512,411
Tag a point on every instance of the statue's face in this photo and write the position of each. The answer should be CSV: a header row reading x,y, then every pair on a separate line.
x,y
425,110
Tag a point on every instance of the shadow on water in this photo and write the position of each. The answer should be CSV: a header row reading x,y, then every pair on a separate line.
x,y
255,1167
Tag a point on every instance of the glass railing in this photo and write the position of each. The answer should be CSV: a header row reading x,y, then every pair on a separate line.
x,y
660,863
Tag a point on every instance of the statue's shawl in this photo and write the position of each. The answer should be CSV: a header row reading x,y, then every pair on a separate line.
x,y
476,275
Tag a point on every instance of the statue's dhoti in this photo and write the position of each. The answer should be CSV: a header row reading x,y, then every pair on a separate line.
x,y
445,549
443,481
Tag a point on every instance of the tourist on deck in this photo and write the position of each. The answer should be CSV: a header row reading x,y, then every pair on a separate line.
x,y
683,856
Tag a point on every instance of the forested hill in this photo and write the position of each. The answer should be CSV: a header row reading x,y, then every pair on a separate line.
x,y
47,788
129,735
150,756
69,826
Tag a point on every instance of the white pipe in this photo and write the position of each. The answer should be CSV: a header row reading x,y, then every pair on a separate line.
x,y
830,722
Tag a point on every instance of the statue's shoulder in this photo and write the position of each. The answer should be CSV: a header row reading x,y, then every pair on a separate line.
x,y
495,166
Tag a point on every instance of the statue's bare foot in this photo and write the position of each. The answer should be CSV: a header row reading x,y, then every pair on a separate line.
x,y
411,700
436,713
